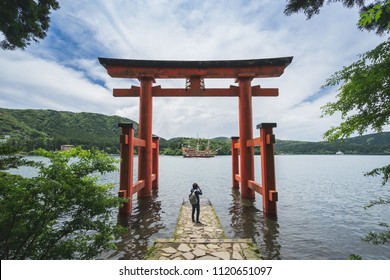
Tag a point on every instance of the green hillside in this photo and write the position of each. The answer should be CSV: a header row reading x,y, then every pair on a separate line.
x,y
48,129
32,129
371,144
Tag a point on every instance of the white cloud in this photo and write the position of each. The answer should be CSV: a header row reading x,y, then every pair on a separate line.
x,y
31,82
63,72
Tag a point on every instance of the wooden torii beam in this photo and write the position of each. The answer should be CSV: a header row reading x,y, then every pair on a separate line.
x,y
195,71
168,69
134,91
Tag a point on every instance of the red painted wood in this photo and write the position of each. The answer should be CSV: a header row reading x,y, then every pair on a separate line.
x,y
145,154
235,168
156,152
255,186
126,168
233,91
138,186
139,142
246,133
268,172
253,142
177,73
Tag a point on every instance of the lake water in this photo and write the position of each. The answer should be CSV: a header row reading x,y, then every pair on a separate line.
x,y
320,207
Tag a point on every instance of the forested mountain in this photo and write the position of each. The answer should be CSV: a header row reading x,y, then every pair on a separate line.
x,y
32,129
371,144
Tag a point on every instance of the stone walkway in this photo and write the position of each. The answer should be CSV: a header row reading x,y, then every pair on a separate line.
x,y
204,241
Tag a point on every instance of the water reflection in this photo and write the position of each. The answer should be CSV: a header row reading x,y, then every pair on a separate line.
x,y
248,222
144,221
270,247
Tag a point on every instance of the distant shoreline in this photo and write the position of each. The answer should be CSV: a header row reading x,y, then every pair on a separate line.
x,y
31,129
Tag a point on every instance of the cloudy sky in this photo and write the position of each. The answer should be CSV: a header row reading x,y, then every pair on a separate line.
x,y
62,72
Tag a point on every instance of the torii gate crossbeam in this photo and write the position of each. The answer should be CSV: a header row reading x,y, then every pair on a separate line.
x,y
243,71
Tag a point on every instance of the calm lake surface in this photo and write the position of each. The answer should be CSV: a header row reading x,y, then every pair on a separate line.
x,y
320,207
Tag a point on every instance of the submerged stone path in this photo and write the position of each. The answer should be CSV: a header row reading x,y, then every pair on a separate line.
x,y
204,241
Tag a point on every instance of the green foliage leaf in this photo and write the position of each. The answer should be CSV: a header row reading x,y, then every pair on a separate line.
x,y
377,202
365,18
379,238
373,16
354,257
385,171
62,213
378,15
10,159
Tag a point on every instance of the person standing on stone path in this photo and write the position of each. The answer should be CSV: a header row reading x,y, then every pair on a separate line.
x,y
196,207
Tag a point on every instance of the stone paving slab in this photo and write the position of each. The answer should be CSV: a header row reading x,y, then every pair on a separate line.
x,y
204,241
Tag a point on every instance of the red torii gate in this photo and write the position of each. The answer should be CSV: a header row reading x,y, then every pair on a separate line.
x,y
243,71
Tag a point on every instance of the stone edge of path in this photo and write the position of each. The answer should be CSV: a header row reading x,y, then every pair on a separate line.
x,y
203,249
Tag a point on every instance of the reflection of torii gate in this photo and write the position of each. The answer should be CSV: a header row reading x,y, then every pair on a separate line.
x,y
146,71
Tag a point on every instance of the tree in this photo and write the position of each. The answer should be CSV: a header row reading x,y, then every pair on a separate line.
x,y
364,90
364,93
23,21
62,213
374,16
8,159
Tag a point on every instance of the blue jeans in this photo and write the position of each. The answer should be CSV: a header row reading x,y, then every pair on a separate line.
x,y
197,208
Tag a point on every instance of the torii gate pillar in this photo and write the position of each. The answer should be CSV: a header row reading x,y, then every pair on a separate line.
x,y
246,133
145,154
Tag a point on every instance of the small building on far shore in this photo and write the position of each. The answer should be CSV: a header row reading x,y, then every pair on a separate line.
x,y
5,139
66,147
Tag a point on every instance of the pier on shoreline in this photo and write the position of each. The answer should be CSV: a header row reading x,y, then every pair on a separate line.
x,y
204,241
